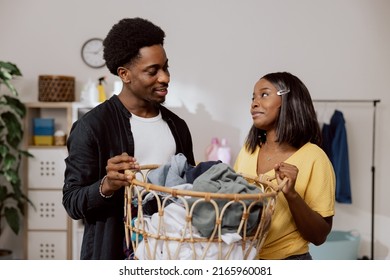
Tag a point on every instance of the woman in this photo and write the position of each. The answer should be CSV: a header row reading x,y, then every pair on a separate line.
x,y
284,142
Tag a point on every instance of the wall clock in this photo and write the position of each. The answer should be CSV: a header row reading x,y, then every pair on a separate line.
x,y
92,53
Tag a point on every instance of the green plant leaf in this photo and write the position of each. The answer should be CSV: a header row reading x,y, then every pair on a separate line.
x,y
11,68
25,153
16,185
4,150
14,128
3,194
16,105
11,87
7,72
8,164
5,75
12,217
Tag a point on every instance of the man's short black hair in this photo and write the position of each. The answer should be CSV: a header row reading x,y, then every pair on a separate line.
x,y
126,38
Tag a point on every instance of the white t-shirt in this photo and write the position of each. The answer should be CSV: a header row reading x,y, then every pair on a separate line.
x,y
153,140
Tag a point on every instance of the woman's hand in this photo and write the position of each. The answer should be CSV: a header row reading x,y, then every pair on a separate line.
x,y
312,226
284,170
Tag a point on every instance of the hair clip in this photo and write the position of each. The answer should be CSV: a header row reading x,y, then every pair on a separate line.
x,y
283,91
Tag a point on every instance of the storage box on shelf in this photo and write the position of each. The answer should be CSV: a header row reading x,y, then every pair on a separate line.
x,y
50,232
43,130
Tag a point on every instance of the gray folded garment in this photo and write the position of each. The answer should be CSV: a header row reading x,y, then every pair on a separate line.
x,y
221,178
170,174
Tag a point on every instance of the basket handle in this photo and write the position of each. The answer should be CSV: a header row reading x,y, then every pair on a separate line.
x,y
266,180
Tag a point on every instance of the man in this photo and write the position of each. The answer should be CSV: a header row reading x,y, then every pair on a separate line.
x,y
109,138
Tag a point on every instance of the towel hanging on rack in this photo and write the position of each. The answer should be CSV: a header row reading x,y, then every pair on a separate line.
x,y
336,147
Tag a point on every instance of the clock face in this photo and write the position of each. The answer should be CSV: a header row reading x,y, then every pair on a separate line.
x,y
92,53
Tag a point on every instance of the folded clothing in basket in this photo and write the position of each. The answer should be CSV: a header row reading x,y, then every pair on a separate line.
x,y
212,177
221,178
178,171
178,174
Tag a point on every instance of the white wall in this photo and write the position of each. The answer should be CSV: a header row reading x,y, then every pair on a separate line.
x,y
217,50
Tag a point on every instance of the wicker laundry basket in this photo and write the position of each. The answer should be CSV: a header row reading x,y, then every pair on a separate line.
x,y
186,243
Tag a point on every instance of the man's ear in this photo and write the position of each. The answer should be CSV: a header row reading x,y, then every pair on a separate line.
x,y
124,74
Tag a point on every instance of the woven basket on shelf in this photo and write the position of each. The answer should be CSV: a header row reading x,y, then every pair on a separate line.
x,y
56,88
161,243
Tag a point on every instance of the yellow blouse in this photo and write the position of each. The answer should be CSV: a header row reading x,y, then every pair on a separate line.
x,y
315,184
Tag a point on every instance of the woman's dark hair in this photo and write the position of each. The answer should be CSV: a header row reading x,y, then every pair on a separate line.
x,y
297,123
126,38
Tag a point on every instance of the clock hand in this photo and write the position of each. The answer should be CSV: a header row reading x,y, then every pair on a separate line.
x,y
94,52
99,50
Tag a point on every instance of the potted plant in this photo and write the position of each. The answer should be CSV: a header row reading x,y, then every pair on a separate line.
x,y
12,111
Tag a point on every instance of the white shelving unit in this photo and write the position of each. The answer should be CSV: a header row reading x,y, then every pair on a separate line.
x,y
50,233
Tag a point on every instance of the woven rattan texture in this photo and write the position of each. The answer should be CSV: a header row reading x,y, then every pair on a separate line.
x,y
56,88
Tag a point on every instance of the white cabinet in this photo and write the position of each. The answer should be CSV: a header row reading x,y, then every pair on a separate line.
x,y
46,168
50,233
47,245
